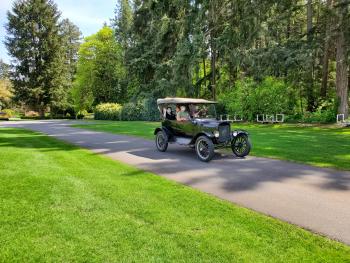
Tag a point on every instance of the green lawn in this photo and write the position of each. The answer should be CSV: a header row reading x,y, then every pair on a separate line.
x,y
59,203
320,146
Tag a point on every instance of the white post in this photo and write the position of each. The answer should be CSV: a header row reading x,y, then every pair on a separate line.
x,y
259,120
340,118
280,119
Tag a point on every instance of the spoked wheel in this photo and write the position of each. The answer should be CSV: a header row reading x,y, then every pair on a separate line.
x,y
161,141
241,145
204,148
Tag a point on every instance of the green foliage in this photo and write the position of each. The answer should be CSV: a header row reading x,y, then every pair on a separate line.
x,y
201,48
108,111
132,112
4,69
249,98
70,41
81,114
9,113
39,76
123,22
325,113
145,109
151,111
6,92
100,71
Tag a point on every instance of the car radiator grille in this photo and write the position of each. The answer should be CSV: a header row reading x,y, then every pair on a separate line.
x,y
224,133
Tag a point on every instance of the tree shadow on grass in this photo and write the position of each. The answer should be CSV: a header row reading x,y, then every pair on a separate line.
x,y
23,138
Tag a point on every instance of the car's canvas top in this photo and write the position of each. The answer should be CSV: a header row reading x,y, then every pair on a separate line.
x,y
182,101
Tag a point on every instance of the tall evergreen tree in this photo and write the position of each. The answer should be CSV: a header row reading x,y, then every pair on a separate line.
x,y
342,78
33,41
123,22
70,37
4,69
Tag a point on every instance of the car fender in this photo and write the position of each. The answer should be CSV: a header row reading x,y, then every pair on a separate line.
x,y
235,133
167,132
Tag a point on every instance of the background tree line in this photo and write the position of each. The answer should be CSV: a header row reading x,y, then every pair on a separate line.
x,y
289,56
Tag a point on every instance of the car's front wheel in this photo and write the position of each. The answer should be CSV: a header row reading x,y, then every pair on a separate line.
x,y
204,148
241,145
161,141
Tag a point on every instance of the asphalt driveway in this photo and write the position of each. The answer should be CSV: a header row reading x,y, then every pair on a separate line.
x,y
314,198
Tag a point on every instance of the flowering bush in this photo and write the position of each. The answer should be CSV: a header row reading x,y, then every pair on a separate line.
x,y
108,111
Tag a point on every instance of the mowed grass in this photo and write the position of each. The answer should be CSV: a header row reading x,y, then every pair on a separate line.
x,y
322,146
59,203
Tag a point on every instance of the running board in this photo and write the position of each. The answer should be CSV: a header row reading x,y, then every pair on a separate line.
x,y
182,140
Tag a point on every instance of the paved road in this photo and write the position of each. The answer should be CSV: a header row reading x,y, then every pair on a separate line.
x,y
314,198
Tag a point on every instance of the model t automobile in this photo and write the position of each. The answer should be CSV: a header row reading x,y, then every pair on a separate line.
x,y
193,122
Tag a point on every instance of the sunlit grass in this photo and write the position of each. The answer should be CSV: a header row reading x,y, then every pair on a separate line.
x,y
59,203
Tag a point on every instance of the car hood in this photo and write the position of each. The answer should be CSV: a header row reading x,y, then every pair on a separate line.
x,y
210,123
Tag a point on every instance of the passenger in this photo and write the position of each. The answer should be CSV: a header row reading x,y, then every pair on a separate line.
x,y
182,114
169,114
177,109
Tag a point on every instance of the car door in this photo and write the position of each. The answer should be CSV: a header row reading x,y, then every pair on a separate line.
x,y
184,128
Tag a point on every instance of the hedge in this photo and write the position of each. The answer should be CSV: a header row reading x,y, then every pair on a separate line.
x,y
144,110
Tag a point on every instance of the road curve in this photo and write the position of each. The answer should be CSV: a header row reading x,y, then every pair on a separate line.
x,y
314,198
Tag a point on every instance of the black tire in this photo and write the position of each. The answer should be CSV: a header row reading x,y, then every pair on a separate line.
x,y
241,145
204,148
161,141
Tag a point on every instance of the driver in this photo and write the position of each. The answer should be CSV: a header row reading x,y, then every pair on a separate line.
x,y
198,112
194,111
182,114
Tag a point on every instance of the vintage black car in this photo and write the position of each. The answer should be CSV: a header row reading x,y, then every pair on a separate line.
x,y
193,122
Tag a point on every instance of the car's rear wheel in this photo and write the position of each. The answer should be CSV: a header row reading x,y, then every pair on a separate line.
x,y
204,148
241,145
161,141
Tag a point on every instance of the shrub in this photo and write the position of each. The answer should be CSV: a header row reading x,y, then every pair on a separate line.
x,y
132,112
108,111
31,114
250,98
9,113
325,113
81,114
150,110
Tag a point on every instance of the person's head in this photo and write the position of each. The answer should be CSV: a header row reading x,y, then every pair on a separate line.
x,y
177,108
183,108
168,110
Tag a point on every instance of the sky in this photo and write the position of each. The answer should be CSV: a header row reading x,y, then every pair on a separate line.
x,y
88,15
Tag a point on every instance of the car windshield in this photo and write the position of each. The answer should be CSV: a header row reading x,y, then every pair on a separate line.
x,y
203,111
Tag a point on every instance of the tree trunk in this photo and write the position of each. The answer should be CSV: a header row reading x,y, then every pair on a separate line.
x,y
309,77
212,48
42,112
213,75
342,75
325,63
205,73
